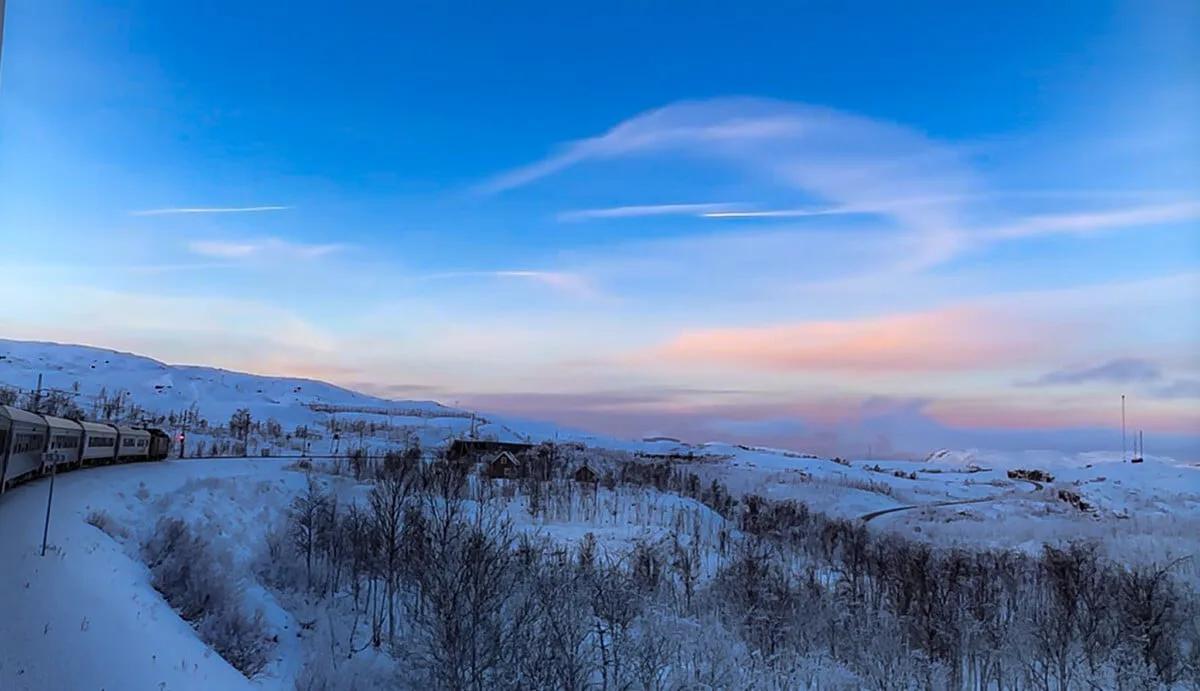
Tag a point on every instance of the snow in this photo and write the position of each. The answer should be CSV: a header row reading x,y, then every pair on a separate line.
x,y
91,594
163,388
86,616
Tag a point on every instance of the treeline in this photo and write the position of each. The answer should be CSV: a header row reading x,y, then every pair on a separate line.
x,y
429,573
953,617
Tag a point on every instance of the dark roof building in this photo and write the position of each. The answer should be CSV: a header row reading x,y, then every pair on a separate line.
x,y
586,474
504,465
475,449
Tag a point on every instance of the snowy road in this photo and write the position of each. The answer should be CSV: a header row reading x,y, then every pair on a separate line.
x,y
866,518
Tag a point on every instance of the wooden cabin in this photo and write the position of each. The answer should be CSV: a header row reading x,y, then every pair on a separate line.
x,y
504,465
586,475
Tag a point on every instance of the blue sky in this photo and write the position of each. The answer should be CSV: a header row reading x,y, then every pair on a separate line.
x,y
826,227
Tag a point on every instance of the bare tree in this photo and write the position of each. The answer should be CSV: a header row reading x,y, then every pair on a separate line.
x,y
307,513
388,502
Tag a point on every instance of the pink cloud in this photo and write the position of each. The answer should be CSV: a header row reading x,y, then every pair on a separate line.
x,y
1038,414
951,339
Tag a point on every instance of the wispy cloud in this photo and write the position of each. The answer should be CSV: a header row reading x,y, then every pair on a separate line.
x,y
1094,221
877,207
843,160
207,210
683,124
922,191
261,248
564,281
646,210
1181,388
1118,371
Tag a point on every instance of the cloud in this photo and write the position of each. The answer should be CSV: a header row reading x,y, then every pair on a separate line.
x,y
242,334
877,207
645,210
955,338
207,210
396,391
1118,371
564,281
561,280
848,426
261,248
1093,221
1181,388
924,192
841,159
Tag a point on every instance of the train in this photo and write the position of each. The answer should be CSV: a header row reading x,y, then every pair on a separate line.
x,y
32,444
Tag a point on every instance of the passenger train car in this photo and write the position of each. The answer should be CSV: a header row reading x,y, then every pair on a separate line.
x,y
32,444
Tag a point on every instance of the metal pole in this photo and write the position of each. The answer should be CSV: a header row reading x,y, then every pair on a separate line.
x,y
1123,455
37,395
49,501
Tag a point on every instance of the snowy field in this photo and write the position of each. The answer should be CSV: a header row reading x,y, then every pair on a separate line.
x,y
91,594
1149,510
85,616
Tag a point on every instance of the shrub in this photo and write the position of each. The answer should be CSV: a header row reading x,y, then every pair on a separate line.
x,y
100,519
186,571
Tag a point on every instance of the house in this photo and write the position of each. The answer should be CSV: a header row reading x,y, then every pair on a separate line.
x,y
471,450
504,465
586,474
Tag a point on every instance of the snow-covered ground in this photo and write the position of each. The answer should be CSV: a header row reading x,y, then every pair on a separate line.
x,y
1119,494
86,616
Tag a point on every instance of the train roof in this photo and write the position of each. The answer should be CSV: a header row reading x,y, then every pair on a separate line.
x,y
18,415
62,423
131,431
97,427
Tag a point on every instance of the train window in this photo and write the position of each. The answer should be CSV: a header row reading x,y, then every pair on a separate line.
x,y
27,442
67,441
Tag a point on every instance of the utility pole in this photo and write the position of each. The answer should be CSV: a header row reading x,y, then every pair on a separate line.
x,y
1123,455
49,501
37,395
183,435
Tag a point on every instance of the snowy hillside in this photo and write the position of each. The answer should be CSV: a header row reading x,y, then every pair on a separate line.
x,y
975,483
288,557
162,388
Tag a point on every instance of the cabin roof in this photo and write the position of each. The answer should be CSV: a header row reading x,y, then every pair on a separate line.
x,y
506,456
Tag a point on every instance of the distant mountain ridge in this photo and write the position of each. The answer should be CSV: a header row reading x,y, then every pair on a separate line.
x,y
86,372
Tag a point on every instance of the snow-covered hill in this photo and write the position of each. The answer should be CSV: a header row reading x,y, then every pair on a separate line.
x,y
92,593
1160,487
87,372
